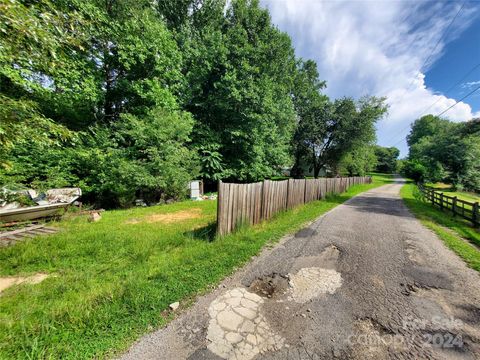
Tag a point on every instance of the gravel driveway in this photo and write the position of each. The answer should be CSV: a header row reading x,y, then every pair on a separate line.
x,y
364,281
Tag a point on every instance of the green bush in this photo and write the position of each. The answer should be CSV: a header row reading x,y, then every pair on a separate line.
x,y
414,170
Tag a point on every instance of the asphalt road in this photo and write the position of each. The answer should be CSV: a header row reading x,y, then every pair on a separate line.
x,y
364,281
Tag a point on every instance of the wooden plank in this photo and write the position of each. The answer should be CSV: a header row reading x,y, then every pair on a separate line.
x,y
19,231
230,208
271,196
225,209
253,199
242,202
252,203
246,203
275,199
223,200
29,231
290,193
220,199
266,194
260,201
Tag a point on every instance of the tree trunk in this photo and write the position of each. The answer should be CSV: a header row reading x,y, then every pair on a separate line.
x,y
316,166
297,170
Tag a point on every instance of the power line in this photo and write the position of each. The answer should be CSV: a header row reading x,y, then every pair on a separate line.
x,y
456,102
450,107
433,49
443,36
440,98
454,85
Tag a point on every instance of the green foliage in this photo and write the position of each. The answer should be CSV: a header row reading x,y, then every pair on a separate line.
x,y
331,130
358,162
89,98
131,99
446,151
386,159
240,71
15,196
414,170
211,162
310,106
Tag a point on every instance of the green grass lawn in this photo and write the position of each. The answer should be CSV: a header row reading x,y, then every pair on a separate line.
x,y
447,190
112,281
457,234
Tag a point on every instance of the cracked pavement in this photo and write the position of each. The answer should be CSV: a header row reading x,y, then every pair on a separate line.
x,y
364,281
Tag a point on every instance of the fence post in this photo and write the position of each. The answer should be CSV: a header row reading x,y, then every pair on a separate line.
x,y
454,206
219,207
441,201
475,215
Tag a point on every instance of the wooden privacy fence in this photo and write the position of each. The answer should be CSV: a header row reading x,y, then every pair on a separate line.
x,y
465,209
254,202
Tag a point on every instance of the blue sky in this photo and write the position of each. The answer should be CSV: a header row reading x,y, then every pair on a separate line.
x,y
460,56
411,52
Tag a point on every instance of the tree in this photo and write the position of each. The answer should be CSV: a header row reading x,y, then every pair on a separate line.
x,y
427,126
338,129
309,105
101,79
414,170
358,162
36,41
386,159
446,151
240,71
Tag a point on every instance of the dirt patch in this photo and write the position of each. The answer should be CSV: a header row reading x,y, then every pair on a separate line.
x,y
169,218
6,282
270,286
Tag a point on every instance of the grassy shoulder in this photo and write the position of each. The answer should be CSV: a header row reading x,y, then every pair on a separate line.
x,y
456,233
448,190
113,280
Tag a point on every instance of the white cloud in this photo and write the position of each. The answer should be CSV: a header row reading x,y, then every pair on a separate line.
x,y
470,84
377,48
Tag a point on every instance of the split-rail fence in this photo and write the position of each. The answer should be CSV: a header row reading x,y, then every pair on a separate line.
x,y
465,209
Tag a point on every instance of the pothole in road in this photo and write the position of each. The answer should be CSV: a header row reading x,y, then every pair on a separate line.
x,y
270,286
309,283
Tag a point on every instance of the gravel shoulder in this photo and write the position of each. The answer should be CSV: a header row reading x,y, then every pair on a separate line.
x,y
365,280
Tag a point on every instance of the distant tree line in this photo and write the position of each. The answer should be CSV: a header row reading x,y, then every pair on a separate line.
x,y
132,99
442,150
